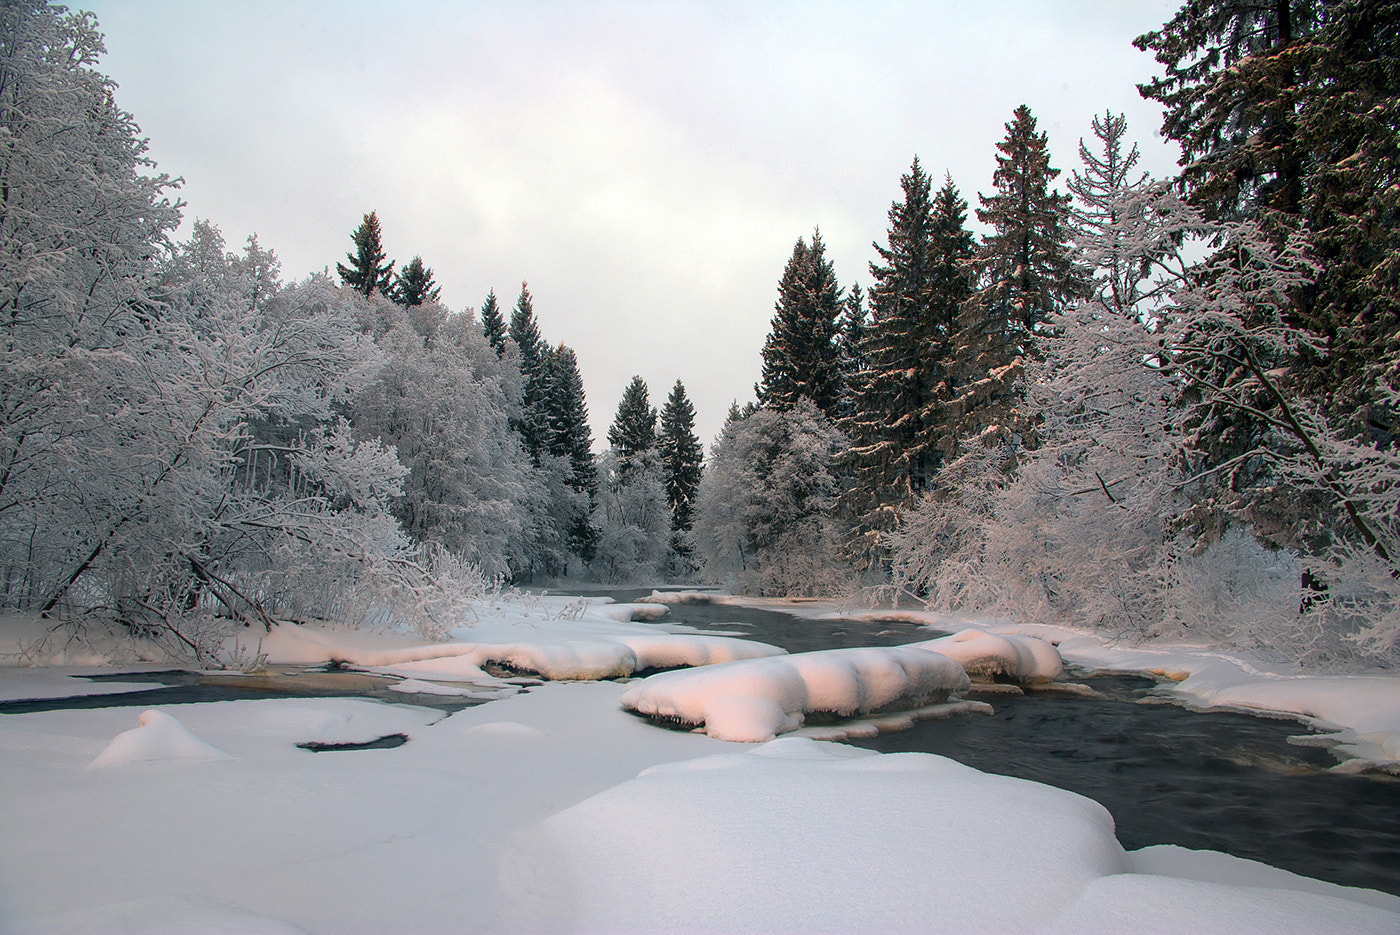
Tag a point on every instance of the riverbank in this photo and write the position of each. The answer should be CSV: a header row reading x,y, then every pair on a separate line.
x,y
553,810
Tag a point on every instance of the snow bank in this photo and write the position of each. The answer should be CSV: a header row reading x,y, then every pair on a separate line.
x,y
803,836
591,656
159,738
1023,658
754,700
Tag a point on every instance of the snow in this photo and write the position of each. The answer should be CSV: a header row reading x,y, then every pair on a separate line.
x,y
1023,658
159,738
556,810
754,700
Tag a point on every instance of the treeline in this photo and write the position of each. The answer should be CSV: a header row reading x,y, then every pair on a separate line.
x,y
1153,406
189,442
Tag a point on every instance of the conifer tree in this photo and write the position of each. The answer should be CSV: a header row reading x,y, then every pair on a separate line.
x,y
1287,112
367,272
413,285
569,437
850,358
800,355
534,372
897,401
493,324
681,456
1100,190
1026,272
633,431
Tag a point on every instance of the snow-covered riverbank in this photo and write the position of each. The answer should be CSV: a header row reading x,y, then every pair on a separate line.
x,y
555,810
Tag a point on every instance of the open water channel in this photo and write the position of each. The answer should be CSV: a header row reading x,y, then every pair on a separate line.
x,y
1204,780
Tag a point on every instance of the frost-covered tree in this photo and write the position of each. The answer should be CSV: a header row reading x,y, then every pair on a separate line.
x,y
367,272
681,455
442,405
632,519
764,514
800,355
1286,113
413,284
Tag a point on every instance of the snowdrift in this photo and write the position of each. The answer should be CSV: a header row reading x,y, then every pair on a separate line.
x,y
755,700
1025,659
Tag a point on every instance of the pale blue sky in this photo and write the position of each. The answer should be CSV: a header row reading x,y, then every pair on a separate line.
x,y
647,166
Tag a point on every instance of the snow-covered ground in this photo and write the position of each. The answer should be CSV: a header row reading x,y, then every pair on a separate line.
x,y
555,810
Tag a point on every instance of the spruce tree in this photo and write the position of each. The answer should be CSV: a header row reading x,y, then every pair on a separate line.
x,y
569,436
850,358
367,272
1026,271
1287,112
633,431
493,324
1101,192
534,372
800,355
413,285
681,456
897,400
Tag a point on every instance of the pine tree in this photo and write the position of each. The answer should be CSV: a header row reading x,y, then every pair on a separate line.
x,y
413,285
800,353
1026,272
896,400
534,372
681,457
493,325
633,431
367,272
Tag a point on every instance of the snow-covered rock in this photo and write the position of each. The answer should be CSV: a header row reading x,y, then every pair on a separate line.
x,y
1023,658
756,699
159,738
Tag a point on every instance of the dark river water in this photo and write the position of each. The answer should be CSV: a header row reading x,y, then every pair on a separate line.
x,y
1217,781
1204,780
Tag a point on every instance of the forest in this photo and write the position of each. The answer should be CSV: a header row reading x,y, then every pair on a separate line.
x,y
1154,406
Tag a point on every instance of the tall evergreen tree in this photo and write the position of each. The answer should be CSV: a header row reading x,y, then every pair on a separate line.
x,y
569,436
534,372
1288,112
1101,191
633,431
800,355
367,272
897,399
413,285
850,358
493,324
1026,271
681,457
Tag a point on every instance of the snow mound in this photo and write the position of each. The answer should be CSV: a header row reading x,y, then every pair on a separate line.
x,y
678,597
1155,905
755,699
160,738
798,836
1023,658
587,658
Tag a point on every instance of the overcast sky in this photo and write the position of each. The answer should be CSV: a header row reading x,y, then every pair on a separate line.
x,y
646,166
